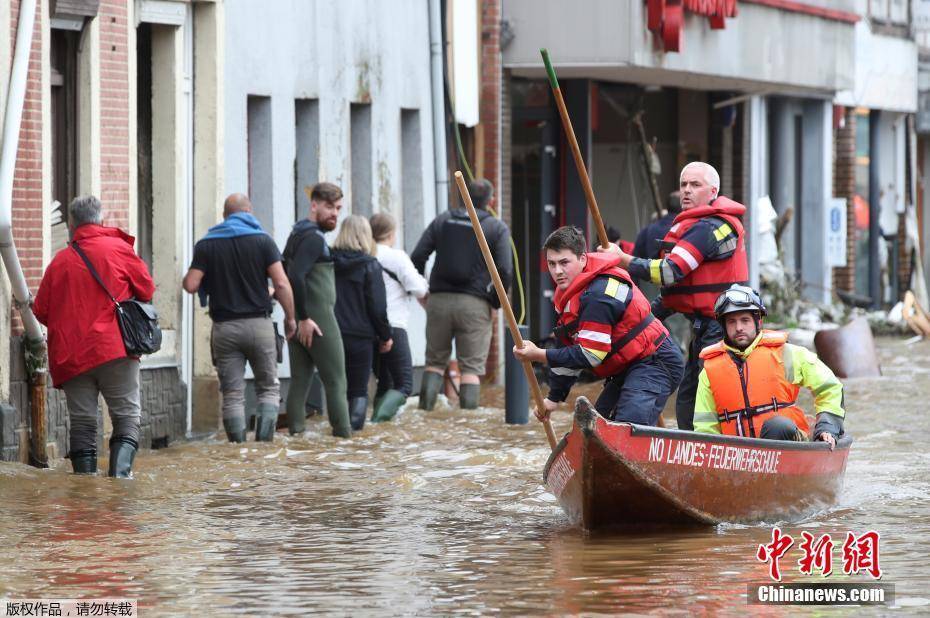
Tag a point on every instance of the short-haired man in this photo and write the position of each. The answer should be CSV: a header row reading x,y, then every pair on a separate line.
x,y
704,253
605,324
86,353
750,381
461,293
231,268
318,343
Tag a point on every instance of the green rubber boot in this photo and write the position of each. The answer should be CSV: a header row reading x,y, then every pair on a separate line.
x,y
122,454
84,462
429,389
235,429
388,405
266,419
469,396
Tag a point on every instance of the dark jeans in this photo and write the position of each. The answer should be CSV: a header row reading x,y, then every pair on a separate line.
x,y
781,428
638,395
395,368
704,332
359,354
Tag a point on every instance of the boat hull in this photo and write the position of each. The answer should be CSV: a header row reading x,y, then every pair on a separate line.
x,y
607,474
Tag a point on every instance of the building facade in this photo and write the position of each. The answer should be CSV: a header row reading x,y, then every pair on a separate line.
x,y
162,108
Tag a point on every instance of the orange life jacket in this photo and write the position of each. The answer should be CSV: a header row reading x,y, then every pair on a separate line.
x,y
635,336
698,291
750,392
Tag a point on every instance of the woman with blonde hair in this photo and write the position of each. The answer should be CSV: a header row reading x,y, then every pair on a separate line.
x,y
361,310
394,369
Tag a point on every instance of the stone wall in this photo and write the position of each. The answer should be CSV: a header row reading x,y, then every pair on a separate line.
x,y
164,412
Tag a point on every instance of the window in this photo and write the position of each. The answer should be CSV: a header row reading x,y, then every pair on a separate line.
x,y
411,177
307,159
64,117
261,164
360,129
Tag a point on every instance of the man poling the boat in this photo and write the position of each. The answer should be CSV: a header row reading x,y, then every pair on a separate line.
x,y
703,254
606,325
751,379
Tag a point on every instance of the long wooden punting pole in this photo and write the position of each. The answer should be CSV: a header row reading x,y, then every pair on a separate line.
x,y
505,303
576,152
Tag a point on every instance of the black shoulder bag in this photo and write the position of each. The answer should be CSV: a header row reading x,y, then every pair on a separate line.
x,y
138,321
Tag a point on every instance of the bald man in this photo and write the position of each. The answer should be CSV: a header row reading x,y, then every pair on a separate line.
x,y
230,271
703,254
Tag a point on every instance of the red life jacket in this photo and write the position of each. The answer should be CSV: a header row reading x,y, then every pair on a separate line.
x,y
750,393
635,336
698,291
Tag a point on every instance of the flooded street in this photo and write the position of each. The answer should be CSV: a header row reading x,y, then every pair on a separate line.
x,y
442,513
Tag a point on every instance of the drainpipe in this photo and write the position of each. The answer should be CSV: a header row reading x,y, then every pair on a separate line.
x,y
36,359
439,106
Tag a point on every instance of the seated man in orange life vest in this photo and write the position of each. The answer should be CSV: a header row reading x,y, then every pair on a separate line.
x,y
606,325
751,379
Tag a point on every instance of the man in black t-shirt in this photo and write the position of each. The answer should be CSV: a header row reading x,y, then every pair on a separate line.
x,y
230,271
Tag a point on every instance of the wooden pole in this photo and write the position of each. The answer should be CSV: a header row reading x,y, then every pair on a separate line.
x,y
505,303
576,152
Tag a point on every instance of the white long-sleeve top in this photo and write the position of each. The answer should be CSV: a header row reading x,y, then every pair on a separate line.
x,y
399,292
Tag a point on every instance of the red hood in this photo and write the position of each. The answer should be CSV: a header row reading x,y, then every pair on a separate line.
x,y
721,205
92,230
597,263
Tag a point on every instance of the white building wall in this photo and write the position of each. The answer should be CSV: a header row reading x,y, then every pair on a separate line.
x,y
364,51
885,70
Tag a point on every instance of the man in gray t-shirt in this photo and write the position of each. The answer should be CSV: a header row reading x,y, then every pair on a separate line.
x,y
230,270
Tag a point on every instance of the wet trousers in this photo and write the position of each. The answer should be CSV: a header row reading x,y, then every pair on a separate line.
x,y
638,395
704,332
118,382
394,369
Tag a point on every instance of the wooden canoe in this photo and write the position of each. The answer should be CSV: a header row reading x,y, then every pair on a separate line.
x,y
608,474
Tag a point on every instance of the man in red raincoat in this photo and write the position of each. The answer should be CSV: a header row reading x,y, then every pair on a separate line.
x,y
85,347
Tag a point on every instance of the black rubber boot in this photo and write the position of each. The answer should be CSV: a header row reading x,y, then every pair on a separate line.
x,y
122,454
358,407
469,396
235,429
84,462
387,406
429,389
266,419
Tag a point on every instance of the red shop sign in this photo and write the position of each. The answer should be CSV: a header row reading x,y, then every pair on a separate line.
x,y
665,18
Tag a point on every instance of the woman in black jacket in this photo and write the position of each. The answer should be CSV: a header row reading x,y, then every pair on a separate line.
x,y
361,310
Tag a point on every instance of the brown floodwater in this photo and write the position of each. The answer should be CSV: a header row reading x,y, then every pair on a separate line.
x,y
440,513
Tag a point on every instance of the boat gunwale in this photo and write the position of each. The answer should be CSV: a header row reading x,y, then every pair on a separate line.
x,y
784,445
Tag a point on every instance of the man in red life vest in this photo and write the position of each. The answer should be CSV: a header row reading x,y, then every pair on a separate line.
x,y
704,253
750,381
606,325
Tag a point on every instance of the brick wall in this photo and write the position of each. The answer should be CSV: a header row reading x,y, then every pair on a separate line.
x,y
490,116
114,111
491,93
844,185
164,412
28,175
